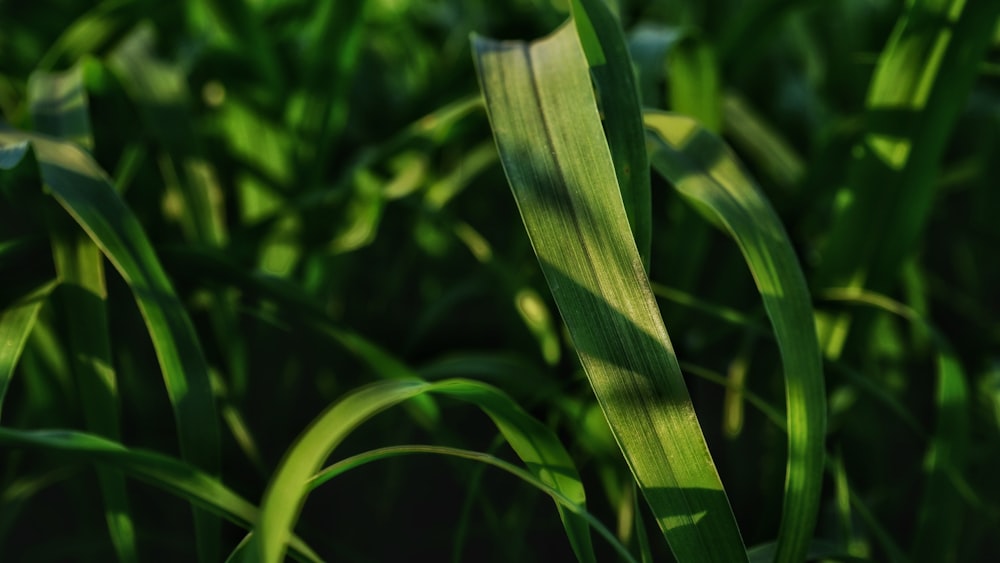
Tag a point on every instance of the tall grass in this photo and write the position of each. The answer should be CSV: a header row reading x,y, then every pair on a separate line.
x,y
705,281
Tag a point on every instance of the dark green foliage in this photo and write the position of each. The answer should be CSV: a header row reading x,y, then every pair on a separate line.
x,y
279,202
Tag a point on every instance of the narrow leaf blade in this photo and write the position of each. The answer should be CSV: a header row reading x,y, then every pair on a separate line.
x,y
85,191
59,105
706,172
547,128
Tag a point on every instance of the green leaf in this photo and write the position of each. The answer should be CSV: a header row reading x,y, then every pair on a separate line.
x,y
172,475
561,499
59,107
611,68
16,322
547,127
85,191
11,154
706,172
694,81
535,444
920,85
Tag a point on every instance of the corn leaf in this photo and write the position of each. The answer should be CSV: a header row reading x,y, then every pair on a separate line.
x,y
59,106
707,173
547,127
611,68
535,444
172,475
920,85
528,477
16,322
85,191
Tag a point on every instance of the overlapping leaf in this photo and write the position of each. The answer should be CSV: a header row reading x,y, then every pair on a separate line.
x,y
59,106
703,169
548,130
535,444
86,193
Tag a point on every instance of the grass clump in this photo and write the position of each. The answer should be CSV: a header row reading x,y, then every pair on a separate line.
x,y
743,294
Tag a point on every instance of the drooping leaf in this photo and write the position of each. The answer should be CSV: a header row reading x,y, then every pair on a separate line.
x,y
59,107
86,193
176,477
535,444
706,172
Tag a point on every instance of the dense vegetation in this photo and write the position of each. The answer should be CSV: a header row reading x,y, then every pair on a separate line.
x,y
232,234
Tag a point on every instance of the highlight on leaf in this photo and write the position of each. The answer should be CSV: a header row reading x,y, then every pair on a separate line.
x,y
713,281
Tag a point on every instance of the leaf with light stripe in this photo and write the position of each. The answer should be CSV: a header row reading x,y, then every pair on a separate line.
x,y
548,130
85,191
707,173
59,107
16,322
607,55
920,85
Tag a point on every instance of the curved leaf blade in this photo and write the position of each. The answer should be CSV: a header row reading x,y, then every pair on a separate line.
x,y
707,173
60,108
16,322
548,130
535,444
172,475
286,493
87,194
607,54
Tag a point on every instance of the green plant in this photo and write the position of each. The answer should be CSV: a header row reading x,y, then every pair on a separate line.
x,y
231,234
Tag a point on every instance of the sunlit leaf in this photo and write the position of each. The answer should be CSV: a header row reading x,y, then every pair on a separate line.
x,y
546,124
705,171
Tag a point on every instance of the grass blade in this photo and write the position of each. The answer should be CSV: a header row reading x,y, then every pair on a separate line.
x,y
16,322
561,499
695,88
172,475
546,124
703,169
86,193
611,67
920,85
59,106
536,445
